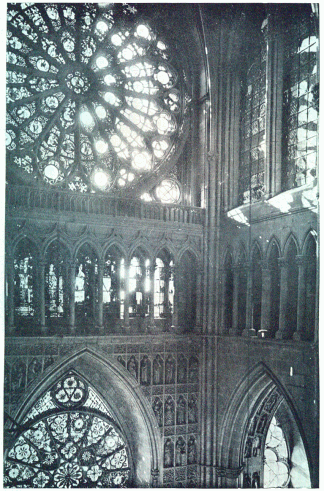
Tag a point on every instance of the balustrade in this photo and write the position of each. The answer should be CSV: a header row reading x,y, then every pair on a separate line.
x,y
30,198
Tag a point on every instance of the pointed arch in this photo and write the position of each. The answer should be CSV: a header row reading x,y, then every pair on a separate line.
x,y
273,241
87,242
291,239
124,399
241,255
248,398
256,249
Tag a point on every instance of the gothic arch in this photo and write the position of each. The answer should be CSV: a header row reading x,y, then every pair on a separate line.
x,y
142,247
256,247
293,238
22,237
123,397
164,249
189,250
273,240
86,241
250,393
51,240
241,255
227,255
114,245
310,235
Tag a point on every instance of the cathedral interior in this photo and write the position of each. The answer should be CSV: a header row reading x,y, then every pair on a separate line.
x,y
161,263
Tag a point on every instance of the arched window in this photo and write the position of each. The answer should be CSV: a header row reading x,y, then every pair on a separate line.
x,y
163,286
310,298
95,95
139,285
300,109
69,439
228,293
252,148
113,286
86,286
56,282
187,296
292,285
274,289
25,282
274,454
256,289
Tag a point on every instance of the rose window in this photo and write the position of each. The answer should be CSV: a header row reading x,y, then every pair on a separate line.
x,y
69,440
94,100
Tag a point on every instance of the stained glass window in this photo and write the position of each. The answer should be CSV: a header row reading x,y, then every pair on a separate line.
x,y
86,284
69,440
56,282
114,286
94,100
276,464
252,152
24,279
168,191
139,286
300,111
163,287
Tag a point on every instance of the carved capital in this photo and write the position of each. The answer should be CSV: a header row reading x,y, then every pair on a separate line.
x,y
301,261
282,262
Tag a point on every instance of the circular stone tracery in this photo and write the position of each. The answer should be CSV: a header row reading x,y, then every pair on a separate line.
x,y
91,87
71,443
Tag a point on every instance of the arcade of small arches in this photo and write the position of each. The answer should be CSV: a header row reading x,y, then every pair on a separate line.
x,y
62,289
275,292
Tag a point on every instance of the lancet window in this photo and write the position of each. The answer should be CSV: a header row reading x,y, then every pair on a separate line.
x,y
86,284
114,285
163,286
300,138
139,285
25,282
252,151
56,282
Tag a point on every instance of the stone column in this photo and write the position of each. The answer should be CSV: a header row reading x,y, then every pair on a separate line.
x,y
234,330
72,266
151,324
249,331
11,294
222,328
282,331
198,326
42,296
301,302
174,325
265,300
126,301
101,266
